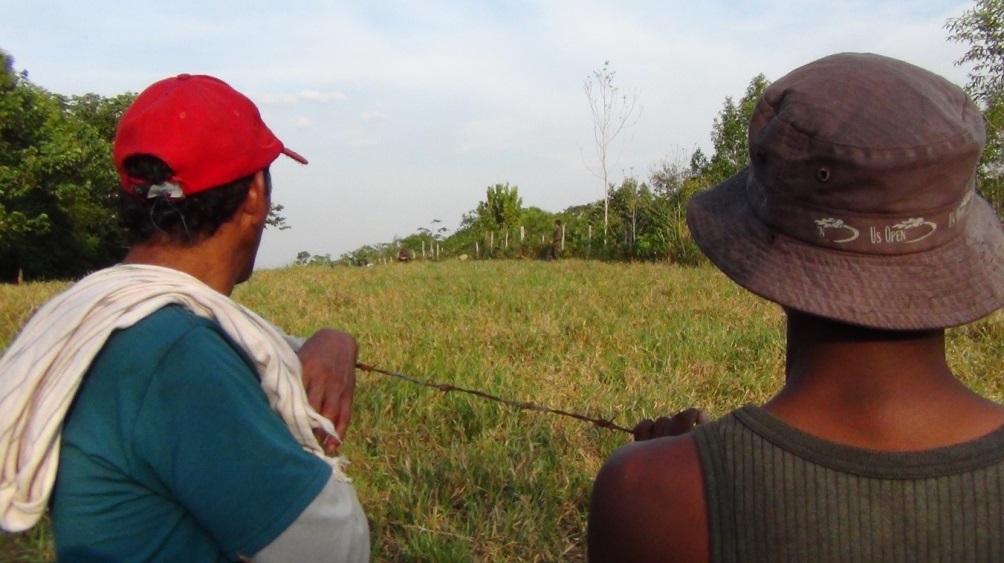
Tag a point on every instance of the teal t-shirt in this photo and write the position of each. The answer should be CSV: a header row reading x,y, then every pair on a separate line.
x,y
171,452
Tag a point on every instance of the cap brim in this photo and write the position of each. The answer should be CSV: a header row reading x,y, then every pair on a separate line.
x,y
294,155
951,285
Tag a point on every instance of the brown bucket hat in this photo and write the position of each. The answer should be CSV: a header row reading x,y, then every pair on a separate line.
x,y
858,203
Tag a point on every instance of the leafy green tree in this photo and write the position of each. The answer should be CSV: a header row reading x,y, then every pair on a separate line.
x,y
729,134
982,28
318,260
537,228
675,184
467,239
501,208
584,230
529,228
698,162
362,256
425,241
20,122
58,185
647,221
101,113
495,217
275,220
628,203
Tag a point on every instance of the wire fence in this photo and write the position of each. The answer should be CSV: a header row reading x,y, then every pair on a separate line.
x,y
523,405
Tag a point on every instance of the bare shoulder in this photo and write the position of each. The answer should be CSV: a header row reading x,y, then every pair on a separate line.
x,y
648,504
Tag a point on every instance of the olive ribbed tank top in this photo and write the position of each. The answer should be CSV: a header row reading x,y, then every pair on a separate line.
x,y
775,493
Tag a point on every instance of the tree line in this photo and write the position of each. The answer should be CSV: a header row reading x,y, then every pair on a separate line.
x,y
58,186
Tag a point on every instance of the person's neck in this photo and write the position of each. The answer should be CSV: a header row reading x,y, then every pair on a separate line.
x,y
890,390
202,261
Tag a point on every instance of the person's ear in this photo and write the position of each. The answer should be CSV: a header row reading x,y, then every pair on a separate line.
x,y
257,201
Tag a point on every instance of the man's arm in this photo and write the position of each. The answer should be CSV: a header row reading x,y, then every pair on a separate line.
x,y
208,433
648,504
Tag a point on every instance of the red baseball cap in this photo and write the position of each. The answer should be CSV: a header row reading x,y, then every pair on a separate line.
x,y
207,132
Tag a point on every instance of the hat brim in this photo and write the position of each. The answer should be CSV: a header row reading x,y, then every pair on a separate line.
x,y
954,284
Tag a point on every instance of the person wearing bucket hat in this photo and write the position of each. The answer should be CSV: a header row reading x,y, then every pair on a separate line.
x,y
157,419
858,215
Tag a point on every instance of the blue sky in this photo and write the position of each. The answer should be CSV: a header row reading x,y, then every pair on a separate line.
x,y
409,110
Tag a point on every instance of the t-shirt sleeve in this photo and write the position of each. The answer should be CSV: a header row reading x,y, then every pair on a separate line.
x,y
332,528
205,428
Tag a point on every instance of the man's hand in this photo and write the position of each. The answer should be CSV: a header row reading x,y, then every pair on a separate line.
x,y
329,376
680,423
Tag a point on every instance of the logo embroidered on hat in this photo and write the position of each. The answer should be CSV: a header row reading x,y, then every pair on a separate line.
x,y
208,133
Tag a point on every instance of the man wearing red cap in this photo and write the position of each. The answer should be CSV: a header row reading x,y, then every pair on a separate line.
x,y
858,215
157,419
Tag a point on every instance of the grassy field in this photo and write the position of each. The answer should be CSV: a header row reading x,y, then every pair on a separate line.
x,y
452,477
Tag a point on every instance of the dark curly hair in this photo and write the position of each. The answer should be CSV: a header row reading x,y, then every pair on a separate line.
x,y
181,221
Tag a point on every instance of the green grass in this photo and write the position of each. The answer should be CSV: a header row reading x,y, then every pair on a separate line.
x,y
449,476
